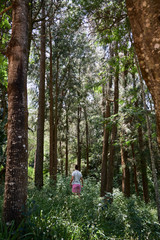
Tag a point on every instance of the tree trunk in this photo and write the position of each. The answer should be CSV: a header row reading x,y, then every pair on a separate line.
x,y
56,124
106,114
124,152
15,195
30,26
61,156
143,166
87,139
105,153
51,119
67,131
40,124
78,138
144,18
110,169
135,170
125,172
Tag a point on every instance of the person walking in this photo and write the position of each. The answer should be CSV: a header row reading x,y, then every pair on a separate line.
x,y
76,181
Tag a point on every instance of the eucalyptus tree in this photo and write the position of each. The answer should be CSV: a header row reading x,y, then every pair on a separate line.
x,y
41,109
15,195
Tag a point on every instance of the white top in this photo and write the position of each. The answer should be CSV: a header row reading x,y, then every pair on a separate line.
x,y
77,176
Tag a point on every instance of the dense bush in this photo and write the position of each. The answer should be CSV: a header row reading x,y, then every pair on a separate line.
x,y
54,213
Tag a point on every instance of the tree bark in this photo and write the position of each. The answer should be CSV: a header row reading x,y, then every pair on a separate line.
x,y
124,152
40,125
87,139
106,114
15,195
144,16
143,166
51,118
125,172
61,155
135,170
105,153
78,138
110,169
56,123
67,131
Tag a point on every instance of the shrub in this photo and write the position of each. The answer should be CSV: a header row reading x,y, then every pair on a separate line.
x,y
55,213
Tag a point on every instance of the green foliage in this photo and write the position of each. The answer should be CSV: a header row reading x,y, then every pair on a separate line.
x,y
4,39
3,70
87,5
54,213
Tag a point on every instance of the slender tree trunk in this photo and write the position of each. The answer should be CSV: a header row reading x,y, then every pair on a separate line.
x,y
106,114
61,156
15,195
56,123
144,18
125,172
87,139
110,169
51,119
124,152
40,124
67,131
103,102
135,170
30,26
143,166
105,153
78,137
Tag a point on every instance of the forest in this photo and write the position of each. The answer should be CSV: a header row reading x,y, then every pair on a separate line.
x,y
80,85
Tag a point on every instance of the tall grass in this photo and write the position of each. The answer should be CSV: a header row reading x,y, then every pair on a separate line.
x,y
55,213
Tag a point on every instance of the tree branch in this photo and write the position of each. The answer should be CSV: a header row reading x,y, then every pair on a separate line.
x,y
5,10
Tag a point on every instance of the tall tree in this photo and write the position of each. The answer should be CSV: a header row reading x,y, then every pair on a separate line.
x,y
78,137
87,138
143,165
106,134
15,195
55,160
67,132
40,124
110,168
51,120
125,172
134,170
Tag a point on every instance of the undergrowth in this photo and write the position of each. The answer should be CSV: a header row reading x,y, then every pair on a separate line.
x,y
55,213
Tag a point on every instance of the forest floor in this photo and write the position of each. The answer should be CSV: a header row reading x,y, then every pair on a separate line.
x,y
55,213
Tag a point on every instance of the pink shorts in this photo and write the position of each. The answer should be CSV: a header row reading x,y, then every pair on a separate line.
x,y
76,188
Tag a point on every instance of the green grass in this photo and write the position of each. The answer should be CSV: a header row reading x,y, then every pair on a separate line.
x,y
54,213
